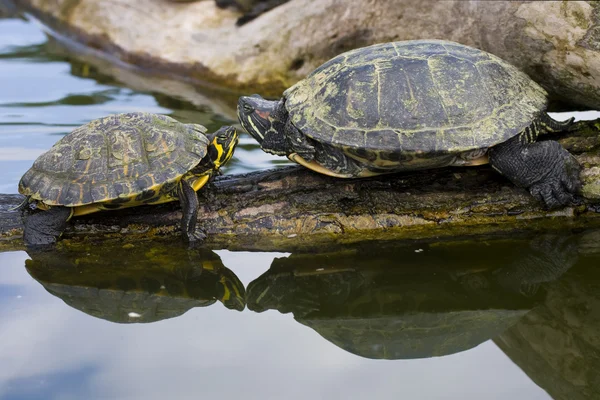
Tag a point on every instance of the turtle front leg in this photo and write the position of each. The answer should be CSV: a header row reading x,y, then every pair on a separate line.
x,y
189,207
298,143
43,228
546,169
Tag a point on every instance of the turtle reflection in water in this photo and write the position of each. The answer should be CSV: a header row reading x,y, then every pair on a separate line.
x,y
139,284
447,299
558,343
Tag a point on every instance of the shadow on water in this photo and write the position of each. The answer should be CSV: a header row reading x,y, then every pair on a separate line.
x,y
211,107
169,92
137,283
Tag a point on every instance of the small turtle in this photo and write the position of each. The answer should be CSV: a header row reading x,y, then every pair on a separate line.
x,y
416,105
119,161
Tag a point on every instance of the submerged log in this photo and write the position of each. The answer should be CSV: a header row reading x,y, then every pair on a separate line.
x,y
555,42
291,208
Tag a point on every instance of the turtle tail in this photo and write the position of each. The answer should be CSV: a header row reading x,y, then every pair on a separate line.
x,y
22,206
551,125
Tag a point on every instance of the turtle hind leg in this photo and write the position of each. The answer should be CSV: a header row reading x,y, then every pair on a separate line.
x,y
45,227
551,125
546,169
189,207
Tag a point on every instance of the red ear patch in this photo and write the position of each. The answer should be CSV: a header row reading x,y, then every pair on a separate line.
x,y
263,114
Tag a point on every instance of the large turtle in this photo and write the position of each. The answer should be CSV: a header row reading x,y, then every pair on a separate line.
x,y
417,105
136,284
119,161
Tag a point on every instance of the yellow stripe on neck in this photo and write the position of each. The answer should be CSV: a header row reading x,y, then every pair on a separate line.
x,y
219,159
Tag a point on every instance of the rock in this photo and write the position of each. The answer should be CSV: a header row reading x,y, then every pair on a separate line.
x,y
555,42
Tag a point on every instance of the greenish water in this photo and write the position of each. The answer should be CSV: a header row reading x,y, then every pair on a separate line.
x,y
514,318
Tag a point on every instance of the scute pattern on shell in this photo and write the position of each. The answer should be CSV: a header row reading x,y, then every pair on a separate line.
x,y
425,96
119,156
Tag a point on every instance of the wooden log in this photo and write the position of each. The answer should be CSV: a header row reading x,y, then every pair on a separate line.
x,y
292,208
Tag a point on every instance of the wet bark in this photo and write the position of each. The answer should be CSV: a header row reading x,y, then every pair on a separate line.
x,y
291,208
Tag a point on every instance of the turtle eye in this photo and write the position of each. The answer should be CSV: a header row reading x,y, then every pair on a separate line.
x,y
248,109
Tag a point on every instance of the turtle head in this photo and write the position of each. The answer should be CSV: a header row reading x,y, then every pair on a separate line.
x,y
222,144
261,117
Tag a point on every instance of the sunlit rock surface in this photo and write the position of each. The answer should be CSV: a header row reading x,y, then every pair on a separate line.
x,y
555,42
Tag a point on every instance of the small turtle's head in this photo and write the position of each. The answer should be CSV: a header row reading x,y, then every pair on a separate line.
x,y
259,116
222,145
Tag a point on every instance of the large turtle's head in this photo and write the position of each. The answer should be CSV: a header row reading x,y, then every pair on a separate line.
x,y
259,116
222,145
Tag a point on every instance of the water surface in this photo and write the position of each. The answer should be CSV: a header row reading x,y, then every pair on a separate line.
x,y
476,319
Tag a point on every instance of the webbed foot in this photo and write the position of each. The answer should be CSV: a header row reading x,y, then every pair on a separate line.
x,y
546,169
561,184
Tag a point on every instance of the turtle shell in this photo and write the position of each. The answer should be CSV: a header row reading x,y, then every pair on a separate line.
x,y
117,157
424,96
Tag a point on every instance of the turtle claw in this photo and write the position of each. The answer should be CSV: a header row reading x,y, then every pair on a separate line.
x,y
552,194
560,189
529,289
42,229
